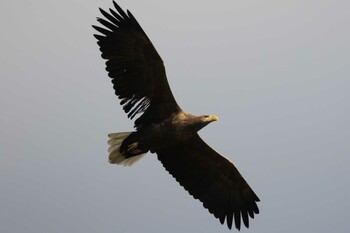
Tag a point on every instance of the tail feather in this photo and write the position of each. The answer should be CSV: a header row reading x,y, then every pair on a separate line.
x,y
113,141
121,135
115,155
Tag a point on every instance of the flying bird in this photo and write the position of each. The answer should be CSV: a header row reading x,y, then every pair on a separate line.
x,y
162,127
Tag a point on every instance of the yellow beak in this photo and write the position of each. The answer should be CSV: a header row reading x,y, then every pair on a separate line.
x,y
214,118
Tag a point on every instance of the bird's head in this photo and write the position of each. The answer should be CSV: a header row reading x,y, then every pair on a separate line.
x,y
204,120
209,118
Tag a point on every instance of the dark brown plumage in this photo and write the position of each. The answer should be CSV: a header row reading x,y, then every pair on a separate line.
x,y
139,80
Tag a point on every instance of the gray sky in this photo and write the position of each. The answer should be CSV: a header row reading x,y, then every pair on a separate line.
x,y
275,72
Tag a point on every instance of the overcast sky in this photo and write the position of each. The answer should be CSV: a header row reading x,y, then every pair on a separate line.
x,y
277,73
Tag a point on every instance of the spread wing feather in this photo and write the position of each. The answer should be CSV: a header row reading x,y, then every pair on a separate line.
x,y
213,179
137,71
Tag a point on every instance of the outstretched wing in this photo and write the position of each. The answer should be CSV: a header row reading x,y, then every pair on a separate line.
x,y
137,70
212,179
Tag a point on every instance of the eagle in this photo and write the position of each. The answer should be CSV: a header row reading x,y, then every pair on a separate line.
x,y
162,127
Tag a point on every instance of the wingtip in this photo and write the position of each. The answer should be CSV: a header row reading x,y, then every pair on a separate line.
x,y
229,224
116,5
222,219
120,10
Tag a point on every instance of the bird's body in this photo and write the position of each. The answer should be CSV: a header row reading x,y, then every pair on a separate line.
x,y
178,128
139,80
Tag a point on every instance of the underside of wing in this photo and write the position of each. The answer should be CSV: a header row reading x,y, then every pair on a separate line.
x,y
137,71
212,179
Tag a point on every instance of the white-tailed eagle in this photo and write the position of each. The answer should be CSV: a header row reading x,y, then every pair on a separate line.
x,y
139,80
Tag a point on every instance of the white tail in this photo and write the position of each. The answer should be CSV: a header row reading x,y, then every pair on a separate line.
x,y
115,156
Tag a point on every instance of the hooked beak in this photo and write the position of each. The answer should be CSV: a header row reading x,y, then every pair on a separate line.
x,y
214,118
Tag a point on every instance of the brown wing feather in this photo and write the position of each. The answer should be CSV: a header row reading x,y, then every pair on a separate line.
x,y
212,179
137,70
